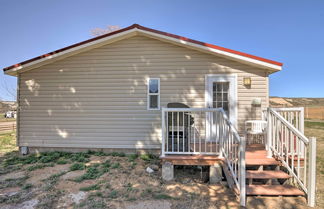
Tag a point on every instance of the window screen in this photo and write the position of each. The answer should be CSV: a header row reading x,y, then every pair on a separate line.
x,y
220,96
153,94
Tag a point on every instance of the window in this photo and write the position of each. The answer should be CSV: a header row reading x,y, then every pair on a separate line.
x,y
220,96
153,94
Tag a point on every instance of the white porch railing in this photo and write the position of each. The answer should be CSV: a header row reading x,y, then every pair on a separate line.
x,y
286,141
294,115
207,131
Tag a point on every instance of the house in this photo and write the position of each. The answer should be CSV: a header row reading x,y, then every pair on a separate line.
x,y
137,87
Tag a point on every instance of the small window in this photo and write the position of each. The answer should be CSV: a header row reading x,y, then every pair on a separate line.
x,y
153,94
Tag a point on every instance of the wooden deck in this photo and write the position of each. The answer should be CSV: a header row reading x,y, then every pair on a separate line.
x,y
191,159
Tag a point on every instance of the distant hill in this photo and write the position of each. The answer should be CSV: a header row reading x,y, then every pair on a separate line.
x,y
296,102
7,105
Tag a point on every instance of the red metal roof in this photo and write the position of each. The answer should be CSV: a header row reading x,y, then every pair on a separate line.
x,y
150,30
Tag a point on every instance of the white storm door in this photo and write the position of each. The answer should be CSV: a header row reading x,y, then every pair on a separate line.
x,y
220,92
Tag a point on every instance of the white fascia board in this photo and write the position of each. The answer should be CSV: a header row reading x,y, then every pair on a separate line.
x,y
30,65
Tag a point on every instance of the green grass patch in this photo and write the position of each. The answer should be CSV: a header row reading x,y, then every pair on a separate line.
x,y
47,157
27,186
106,164
90,188
62,162
118,154
115,165
314,124
148,157
91,173
80,157
132,157
77,166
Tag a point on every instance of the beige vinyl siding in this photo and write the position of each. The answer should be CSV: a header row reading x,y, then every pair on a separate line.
x,y
98,99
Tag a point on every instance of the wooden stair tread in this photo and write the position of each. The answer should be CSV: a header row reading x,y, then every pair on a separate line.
x,y
266,174
261,161
273,190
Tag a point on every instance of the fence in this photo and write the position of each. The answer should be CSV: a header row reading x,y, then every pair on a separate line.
x,y
7,127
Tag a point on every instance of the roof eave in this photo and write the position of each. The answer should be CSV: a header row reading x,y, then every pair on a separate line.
x,y
270,65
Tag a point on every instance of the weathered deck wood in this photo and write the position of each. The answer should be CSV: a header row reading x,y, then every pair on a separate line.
x,y
191,159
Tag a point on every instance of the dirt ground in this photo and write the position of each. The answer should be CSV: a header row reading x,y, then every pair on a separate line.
x,y
116,180
125,184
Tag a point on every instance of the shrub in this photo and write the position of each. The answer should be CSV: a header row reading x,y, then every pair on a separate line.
x,y
80,157
77,166
47,157
106,164
91,173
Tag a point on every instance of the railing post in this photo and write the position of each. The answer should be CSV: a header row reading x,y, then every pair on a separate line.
x,y
312,173
301,120
269,131
221,130
163,133
242,172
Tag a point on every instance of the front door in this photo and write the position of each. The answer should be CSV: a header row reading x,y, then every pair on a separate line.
x,y
221,92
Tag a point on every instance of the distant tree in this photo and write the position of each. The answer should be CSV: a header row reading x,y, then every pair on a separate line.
x,y
8,91
102,31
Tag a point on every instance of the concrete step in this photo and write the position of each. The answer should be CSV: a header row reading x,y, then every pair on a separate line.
x,y
273,190
266,174
261,161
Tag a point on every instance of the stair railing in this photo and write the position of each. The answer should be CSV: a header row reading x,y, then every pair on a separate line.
x,y
296,152
232,149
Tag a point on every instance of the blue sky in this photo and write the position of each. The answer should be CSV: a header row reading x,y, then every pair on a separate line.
x,y
290,31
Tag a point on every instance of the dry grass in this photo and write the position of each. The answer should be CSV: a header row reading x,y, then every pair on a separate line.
x,y
314,112
3,119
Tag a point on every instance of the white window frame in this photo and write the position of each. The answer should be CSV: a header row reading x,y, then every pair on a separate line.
x,y
150,94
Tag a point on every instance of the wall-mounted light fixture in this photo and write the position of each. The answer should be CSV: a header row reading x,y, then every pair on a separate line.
x,y
247,81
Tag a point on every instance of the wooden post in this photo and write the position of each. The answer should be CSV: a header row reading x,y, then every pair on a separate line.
x,y
242,173
312,173
163,133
